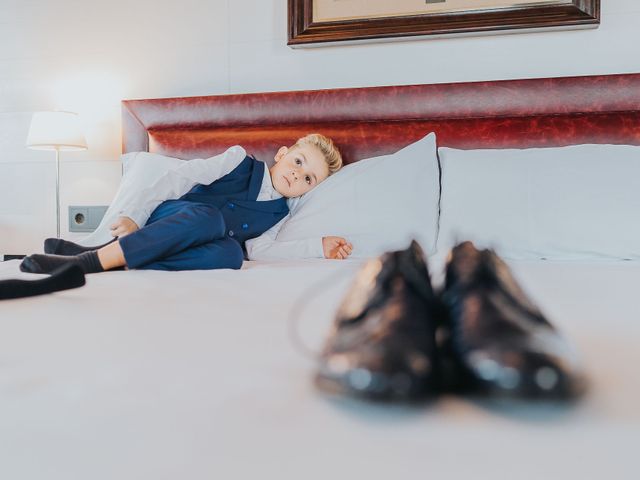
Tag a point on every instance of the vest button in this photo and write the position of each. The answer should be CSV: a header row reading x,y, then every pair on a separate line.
x,y
245,226
231,234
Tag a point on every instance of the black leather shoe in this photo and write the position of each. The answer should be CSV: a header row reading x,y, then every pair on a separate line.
x,y
382,345
499,341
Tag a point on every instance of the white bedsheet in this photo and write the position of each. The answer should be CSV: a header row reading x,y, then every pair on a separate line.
x,y
192,375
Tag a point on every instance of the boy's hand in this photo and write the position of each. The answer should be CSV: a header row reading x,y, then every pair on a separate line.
x,y
336,248
123,226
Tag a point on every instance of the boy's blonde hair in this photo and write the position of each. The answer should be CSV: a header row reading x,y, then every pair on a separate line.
x,y
327,148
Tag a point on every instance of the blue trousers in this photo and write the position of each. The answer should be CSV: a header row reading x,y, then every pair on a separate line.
x,y
182,235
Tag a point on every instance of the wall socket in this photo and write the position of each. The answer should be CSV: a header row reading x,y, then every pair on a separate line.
x,y
85,218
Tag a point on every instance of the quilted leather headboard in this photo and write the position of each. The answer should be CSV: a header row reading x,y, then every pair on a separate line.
x,y
377,120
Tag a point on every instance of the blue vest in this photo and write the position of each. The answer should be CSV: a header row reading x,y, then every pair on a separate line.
x,y
235,195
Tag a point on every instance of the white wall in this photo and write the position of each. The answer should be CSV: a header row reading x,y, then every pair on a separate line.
x,y
87,56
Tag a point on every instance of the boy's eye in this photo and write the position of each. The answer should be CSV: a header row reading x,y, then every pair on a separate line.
x,y
308,179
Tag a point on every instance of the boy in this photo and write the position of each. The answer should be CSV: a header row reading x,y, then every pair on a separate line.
x,y
203,214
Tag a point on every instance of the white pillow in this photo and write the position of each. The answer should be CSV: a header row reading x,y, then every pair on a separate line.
x,y
378,204
140,170
564,203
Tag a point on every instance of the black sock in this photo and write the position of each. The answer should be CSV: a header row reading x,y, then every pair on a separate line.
x,y
65,247
64,278
88,261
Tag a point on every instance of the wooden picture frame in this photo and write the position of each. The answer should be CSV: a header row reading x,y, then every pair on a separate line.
x,y
304,30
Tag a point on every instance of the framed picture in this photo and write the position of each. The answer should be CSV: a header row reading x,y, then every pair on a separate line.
x,y
326,21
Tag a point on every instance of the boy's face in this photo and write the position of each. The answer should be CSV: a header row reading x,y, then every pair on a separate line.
x,y
297,170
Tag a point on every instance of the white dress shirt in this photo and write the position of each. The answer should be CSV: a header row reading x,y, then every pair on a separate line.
x,y
176,183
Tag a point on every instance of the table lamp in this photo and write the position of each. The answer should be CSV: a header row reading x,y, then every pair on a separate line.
x,y
56,131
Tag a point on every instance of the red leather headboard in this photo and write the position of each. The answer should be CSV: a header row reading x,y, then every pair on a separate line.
x,y
371,121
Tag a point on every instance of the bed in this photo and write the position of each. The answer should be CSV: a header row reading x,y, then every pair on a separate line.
x,y
149,374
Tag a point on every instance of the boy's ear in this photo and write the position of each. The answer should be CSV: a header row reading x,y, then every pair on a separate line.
x,y
282,151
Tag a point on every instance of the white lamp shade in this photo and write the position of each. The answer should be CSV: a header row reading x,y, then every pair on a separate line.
x,y
55,131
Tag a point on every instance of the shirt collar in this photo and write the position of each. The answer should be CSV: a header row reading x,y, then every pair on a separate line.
x,y
267,186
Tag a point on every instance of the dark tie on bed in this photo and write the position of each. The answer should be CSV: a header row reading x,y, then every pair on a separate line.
x,y
65,278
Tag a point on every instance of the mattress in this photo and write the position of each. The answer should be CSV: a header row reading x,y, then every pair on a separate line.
x,y
154,375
